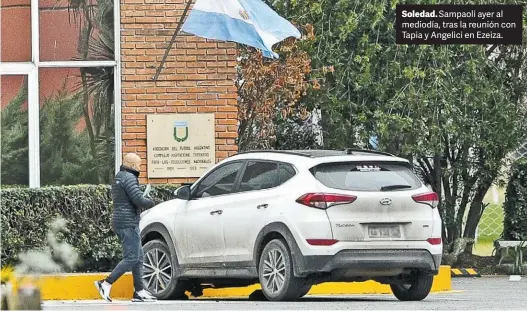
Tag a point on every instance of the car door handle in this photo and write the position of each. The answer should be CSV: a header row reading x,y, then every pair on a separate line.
x,y
219,212
262,206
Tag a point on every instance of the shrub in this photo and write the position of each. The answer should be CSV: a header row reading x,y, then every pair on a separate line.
x,y
293,135
515,206
27,213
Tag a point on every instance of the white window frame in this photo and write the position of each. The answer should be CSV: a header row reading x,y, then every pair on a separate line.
x,y
31,69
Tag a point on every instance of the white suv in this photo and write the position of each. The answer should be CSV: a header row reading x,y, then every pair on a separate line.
x,y
292,219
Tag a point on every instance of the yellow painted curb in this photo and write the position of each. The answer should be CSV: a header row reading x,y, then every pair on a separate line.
x,y
81,287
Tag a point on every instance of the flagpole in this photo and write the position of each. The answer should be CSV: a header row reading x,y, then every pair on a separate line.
x,y
178,28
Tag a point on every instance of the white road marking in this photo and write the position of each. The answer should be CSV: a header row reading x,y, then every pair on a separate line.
x,y
336,298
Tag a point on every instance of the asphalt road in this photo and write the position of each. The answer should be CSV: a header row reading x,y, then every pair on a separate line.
x,y
468,294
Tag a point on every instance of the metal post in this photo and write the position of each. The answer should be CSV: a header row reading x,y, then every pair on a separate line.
x,y
178,28
33,101
117,95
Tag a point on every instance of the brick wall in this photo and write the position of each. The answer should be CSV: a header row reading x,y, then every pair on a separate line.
x,y
198,76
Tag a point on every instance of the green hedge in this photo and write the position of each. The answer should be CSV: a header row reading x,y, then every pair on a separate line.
x,y
515,206
26,214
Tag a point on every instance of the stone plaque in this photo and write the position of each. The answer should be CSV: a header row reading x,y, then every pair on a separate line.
x,y
180,145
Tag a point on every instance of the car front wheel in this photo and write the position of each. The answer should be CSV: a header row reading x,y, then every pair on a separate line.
x,y
416,288
276,273
159,273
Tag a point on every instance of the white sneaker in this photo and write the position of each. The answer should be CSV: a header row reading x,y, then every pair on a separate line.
x,y
143,295
104,289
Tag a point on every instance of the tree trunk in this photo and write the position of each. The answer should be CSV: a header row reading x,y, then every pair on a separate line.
x,y
438,188
476,211
410,159
85,44
87,118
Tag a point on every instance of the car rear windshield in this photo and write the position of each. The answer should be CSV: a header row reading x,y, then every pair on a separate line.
x,y
367,176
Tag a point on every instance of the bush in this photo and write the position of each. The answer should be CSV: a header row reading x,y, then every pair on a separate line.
x,y
515,206
291,134
27,213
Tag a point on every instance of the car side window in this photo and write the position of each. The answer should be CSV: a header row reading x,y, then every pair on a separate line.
x,y
220,181
259,176
285,172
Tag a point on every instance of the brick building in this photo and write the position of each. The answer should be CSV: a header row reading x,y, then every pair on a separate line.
x,y
198,77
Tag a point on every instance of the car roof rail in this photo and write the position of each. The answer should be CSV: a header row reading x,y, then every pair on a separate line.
x,y
315,153
352,150
290,152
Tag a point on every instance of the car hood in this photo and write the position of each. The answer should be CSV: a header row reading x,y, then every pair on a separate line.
x,y
160,207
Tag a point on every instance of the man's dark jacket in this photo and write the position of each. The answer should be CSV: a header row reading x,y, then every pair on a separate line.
x,y
128,200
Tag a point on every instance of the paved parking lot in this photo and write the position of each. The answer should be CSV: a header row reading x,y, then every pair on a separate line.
x,y
469,294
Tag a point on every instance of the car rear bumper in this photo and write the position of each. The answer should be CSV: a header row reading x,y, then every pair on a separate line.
x,y
370,260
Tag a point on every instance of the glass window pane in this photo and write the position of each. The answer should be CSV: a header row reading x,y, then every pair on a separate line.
x,y
372,176
76,30
220,181
15,31
286,172
259,176
76,126
14,131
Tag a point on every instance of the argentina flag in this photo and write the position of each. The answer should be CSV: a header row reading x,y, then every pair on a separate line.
x,y
249,22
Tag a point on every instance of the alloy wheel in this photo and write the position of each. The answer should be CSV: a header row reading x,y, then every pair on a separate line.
x,y
158,270
274,272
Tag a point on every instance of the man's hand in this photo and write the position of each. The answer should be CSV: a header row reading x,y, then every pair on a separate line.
x,y
133,191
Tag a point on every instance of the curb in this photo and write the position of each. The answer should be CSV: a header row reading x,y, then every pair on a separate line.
x,y
81,287
464,272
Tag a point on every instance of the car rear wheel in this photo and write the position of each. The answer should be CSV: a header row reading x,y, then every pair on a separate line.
x,y
159,273
304,290
276,273
416,289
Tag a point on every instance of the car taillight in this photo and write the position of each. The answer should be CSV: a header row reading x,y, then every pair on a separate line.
x,y
325,200
435,241
430,198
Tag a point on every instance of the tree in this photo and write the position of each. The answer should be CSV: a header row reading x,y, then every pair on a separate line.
x,y
15,141
293,133
96,42
455,110
515,206
267,87
64,160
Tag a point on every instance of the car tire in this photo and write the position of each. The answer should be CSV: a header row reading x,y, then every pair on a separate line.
x,y
276,275
416,290
304,290
157,255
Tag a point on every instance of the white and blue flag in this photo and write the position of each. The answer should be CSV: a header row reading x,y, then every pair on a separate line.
x,y
249,22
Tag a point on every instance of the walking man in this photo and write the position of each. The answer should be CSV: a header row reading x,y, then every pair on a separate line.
x,y
128,204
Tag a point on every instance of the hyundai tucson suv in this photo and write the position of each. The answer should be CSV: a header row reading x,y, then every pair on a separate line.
x,y
292,219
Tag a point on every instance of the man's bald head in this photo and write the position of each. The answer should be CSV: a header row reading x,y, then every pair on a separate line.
x,y
133,161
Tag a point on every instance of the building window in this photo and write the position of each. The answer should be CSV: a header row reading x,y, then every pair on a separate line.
x,y
76,126
15,28
14,131
60,70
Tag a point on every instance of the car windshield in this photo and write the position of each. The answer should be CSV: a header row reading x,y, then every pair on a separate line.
x,y
371,176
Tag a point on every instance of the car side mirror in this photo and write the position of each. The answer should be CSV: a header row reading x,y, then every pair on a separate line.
x,y
183,193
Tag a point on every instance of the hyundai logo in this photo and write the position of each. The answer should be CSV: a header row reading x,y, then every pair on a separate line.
x,y
386,201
